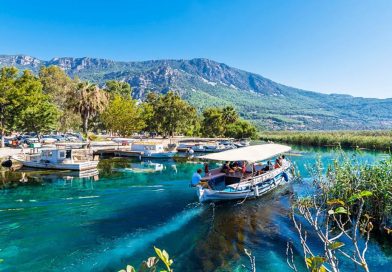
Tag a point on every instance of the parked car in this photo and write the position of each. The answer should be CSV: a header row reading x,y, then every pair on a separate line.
x,y
73,137
48,139
31,140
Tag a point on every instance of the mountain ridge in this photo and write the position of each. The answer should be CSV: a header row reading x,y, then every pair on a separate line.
x,y
204,82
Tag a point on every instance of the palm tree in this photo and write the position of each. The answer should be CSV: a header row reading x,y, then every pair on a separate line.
x,y
88,100
229,115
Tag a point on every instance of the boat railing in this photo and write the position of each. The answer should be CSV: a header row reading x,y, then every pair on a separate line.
x,y
249,181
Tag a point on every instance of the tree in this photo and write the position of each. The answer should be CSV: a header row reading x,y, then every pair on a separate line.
x,y
123,116
194,126
150,107
240,129
229,115
41,116
226,122
169,114
173,114
37,113
118,87
9,100
58,86
88,100
212,123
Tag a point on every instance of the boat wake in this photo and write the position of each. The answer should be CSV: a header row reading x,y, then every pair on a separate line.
x,y
128,246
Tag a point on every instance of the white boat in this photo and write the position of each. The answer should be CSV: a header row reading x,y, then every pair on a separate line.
x,y
202,147
239,186
62,159
149,150
143,167
152,150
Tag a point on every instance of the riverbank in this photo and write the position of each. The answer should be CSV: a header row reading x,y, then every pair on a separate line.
x,y
372,140
106,143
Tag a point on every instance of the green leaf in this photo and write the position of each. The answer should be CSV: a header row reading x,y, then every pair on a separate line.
x,y
360,195
335,202
164,256
341,210
315,264
335,245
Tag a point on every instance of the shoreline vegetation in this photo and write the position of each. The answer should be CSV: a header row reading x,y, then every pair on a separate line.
x,y
53,101
348,204
373,140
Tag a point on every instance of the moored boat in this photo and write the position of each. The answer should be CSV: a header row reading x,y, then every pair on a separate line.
x,y
143,167
61,159
257,180
150,150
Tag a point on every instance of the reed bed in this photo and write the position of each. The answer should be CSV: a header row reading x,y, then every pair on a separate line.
x,y
374,140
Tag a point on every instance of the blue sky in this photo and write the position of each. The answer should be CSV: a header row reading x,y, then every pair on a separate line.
x,y
334,46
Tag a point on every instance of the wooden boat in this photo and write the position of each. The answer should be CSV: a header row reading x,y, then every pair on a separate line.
x,y
61,159
239,186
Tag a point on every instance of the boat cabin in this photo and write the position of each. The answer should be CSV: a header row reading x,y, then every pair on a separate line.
x,y
147,147
56,155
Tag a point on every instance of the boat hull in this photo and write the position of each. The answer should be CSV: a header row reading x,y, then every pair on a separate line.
x,y
160,155
245,190
71,166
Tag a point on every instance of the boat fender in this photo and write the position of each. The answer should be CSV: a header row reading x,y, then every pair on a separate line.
x,y
285,176
256,189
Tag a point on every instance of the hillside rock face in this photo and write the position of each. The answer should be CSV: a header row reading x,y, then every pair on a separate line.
x,y
205,83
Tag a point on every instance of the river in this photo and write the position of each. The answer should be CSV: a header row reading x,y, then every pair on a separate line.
x,y
55,221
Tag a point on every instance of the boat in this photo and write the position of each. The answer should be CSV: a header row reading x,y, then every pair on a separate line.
x,y
203,147
253,183
150,150
143,167
60,159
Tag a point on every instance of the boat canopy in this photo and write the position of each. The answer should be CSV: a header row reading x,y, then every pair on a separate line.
x,y
250,154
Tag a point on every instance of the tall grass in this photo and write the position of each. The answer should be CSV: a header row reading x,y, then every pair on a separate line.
x,y
375,140
346,177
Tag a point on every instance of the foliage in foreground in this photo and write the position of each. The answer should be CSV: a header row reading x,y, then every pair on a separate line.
x,y
346,202
152,263
377,140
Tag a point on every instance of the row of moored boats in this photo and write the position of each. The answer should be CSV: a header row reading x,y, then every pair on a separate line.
x,y
222,185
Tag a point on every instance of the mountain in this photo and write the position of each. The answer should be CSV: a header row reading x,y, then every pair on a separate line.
x,y
204,83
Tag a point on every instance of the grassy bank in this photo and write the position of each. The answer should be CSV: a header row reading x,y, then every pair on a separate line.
x,y
375,140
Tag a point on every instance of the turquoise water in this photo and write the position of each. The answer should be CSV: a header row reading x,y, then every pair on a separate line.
x,y
53,220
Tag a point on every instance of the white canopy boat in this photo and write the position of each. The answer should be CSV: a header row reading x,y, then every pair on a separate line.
x,y
253,183
62,159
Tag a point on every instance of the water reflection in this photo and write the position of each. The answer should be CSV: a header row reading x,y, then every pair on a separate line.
x,y
30,177
120,215
234,227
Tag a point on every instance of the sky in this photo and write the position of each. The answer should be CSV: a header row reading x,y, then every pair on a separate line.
x,y
334,46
